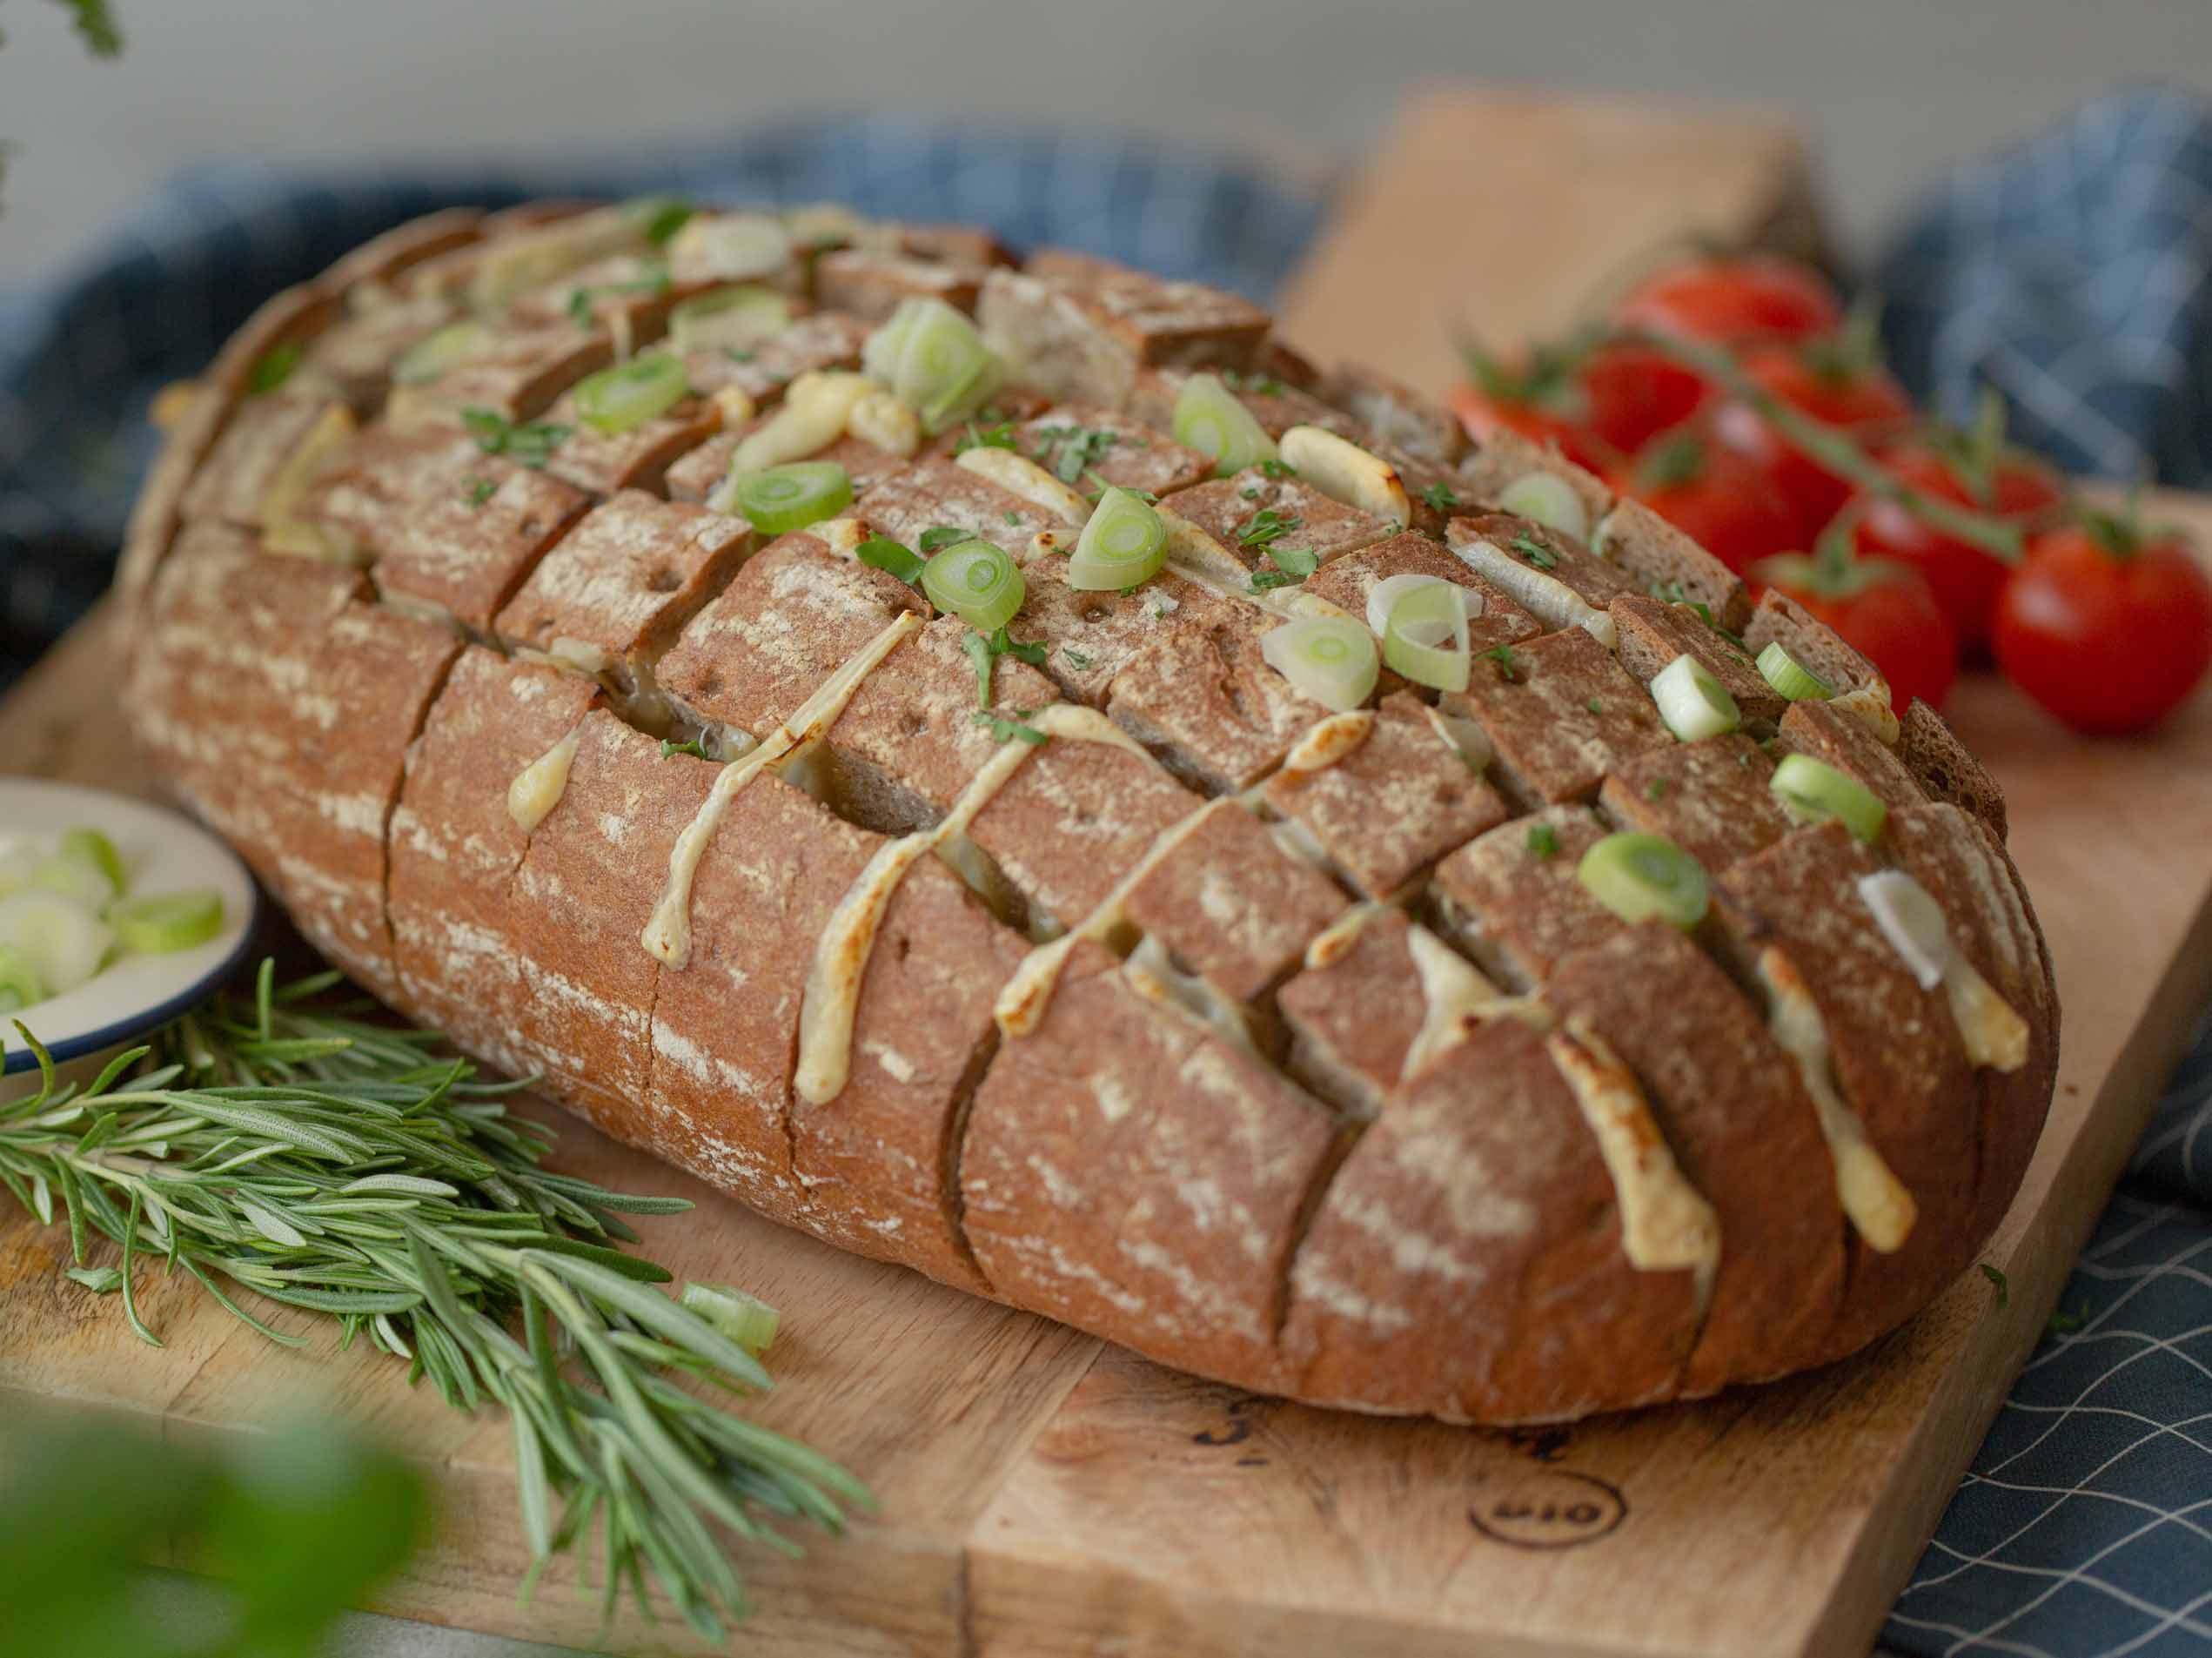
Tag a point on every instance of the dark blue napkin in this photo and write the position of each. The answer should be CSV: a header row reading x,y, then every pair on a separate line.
x,y
2072,273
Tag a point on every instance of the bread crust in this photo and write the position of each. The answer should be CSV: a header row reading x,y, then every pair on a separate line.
x,y
1107,973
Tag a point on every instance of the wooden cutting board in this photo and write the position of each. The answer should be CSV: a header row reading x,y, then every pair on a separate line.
x,y
1043,1494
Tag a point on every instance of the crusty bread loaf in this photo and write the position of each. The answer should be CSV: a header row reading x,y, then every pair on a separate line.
x,y
1125,982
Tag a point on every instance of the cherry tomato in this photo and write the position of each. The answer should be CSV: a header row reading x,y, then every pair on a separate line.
x,y
1966,578
1884,611
1713,495
1752,297
2108,625
1484,413
1632,393
1831,383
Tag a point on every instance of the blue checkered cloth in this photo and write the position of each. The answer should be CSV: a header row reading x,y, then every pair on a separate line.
x,y
2072,273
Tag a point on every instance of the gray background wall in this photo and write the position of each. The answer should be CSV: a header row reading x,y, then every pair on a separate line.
x,y
1892,88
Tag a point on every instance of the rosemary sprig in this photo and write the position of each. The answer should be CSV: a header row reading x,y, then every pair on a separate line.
x,y
353,1169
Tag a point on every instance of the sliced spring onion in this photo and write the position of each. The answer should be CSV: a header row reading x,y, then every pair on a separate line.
x,y
975,581
1811,790
77,880
63,941
430,356
1331,659
1549,500
1638,876
19,984
95,849
790,497
882,552
1208,418
1789,677
1123,543
615,399
1425,635
744,1318
162,922
1693,702
1390,588
1913,922
730,319
932,360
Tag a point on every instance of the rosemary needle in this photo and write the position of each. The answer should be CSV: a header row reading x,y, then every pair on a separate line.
x,y
354,1169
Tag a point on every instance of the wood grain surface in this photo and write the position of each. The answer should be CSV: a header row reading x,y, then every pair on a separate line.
x,y
1042,1493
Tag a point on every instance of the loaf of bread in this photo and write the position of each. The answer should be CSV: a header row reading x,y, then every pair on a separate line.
x,y
1097,968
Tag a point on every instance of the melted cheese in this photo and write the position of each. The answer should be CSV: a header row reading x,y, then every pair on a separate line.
x,y
1550,599
1452,991
1330,741
1873,1200
538,788
281,528
814,414
832,999
511,266
1667,1225
1019,475
668,935
1334,942
1343,470
882,419
1994,1034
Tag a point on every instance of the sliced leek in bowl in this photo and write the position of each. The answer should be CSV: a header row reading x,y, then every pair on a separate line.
x,y
114,914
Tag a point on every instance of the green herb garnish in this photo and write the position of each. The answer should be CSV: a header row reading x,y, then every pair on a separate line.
x,y
1535,552
940,535
476,491
529,445
1273,468
1009,729
692,749
1655,790
739,353
1266,526
1508,669
882,552
356,1170
1254,385
1441,497
667,218
1000,436
2003,1284
1011,516
984,649
273,368
582,302
1073,450
1542,841
1595,705
1077,660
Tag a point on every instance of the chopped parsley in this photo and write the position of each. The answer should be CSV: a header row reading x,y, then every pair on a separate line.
x,y
1273,468
1542,841
1011,516
2003,1284
2065,1324
1144,495
1006,729
938,535
739,353
1267,581
1655,790
1508,669
1267,527
582,301
1595,705
1250,494
273,368
984,649
1743,760
667,218
530,444
1072,450
1441,497
1077,660
882,552
1000,436
1252,385
476,491
691,748
1535,552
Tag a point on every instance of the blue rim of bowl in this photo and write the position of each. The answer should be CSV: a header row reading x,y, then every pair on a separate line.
x,y
17,1060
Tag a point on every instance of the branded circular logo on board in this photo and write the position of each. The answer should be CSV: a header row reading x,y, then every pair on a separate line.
x,y
1543,1508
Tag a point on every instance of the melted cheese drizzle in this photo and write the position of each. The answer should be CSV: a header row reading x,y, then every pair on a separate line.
x,y
832,998
1873,1200
1452,988
1343,470
1545,596
1667,1225
1019,475
1330,741
1994,1034
1333,942
668,935
1908,915
538,788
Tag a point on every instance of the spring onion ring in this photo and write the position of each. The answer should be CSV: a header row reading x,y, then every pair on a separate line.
x,y
430,356
162,922
1122,544
932,360
19,984
1210,418
975,581
790,497
729,318
619,399
1638,876
1693,702
1390,588
1425,635
1812,790
94,848
1331,659
1549,500
1789,677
